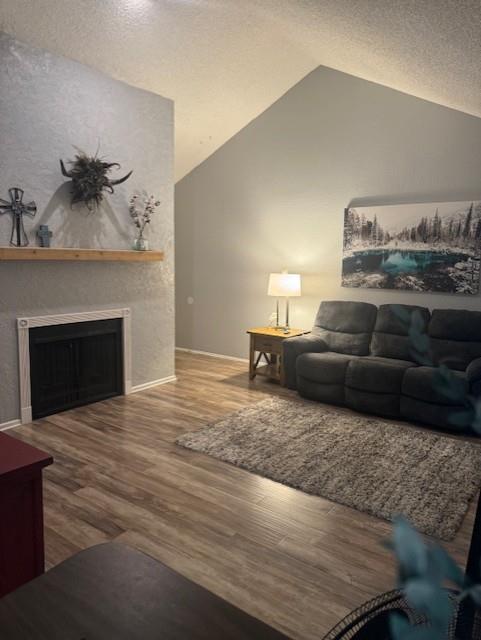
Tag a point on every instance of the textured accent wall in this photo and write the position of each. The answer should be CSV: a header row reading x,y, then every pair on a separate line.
x,y
47,105
273,197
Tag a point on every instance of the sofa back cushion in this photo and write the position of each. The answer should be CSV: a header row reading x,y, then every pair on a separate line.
x,y
346,327
391,331
455,337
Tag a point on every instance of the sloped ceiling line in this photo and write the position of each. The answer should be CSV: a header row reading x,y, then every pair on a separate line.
x,y
224,62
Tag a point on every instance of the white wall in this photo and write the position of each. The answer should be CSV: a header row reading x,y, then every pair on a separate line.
x,y
47,105
273,197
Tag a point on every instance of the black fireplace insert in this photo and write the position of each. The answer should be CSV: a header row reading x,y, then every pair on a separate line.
x,y
75,364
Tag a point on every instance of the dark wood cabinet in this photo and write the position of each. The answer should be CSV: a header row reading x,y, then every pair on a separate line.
x,y
21,512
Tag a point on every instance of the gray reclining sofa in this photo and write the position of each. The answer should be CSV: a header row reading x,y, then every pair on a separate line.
x,y
361,356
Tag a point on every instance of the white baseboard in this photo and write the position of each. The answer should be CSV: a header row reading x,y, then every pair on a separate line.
x,y
27,416
4,426
212,355
153,383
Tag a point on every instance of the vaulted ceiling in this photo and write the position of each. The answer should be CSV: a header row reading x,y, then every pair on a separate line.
x,y
226,61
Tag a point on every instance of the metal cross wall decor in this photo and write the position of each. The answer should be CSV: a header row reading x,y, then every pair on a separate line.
x,y
18,209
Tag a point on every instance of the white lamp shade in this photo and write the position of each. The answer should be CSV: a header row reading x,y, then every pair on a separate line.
x,y
284,285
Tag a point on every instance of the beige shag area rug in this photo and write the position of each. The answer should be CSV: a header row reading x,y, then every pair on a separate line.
x,y
360,461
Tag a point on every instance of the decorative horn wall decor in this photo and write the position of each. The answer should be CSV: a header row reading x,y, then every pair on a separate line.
x,y
90,178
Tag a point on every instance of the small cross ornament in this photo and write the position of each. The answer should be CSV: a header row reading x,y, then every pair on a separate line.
x,y
18,209
44,235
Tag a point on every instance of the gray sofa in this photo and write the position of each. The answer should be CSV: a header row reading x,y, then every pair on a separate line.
x,y
363,357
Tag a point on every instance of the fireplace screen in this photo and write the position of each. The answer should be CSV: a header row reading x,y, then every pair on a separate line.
x,y
74,364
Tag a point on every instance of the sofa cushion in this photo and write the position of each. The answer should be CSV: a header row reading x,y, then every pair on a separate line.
x,y
292,348
379,375
455,337
473,372
346,327
323,368
383,404
391,331
421,383
456,324
330,393
435,414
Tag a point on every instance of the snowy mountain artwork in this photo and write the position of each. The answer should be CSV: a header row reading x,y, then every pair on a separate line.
x,y
420,247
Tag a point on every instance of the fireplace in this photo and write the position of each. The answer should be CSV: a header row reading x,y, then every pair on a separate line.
x,y
72,359
74,364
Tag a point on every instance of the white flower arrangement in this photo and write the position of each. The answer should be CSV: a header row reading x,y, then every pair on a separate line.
x,y
142,218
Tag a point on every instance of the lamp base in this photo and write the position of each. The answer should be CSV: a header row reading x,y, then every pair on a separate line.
x,y
284,329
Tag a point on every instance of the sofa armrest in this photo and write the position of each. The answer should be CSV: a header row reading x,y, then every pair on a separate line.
x,y
473,373
292,348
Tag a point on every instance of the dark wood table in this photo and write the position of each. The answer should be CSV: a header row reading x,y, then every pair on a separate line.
x,y
113,592
21,512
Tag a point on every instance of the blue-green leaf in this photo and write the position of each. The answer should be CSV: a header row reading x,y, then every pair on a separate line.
x,y
402,630
420,341
431,599
421,357
399,626
410,548
446,566
417,322
402,313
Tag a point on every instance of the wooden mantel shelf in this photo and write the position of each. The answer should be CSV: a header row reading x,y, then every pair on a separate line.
x,y
79,255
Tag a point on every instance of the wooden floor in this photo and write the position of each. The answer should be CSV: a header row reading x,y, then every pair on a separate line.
x,y
298,562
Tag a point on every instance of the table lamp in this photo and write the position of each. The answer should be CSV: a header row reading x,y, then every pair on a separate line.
x,y
284,285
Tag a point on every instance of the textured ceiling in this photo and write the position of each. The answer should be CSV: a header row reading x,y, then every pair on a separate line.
x,y
226,61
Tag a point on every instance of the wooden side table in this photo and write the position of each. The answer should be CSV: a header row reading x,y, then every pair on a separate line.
x,y
265,352
21,512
